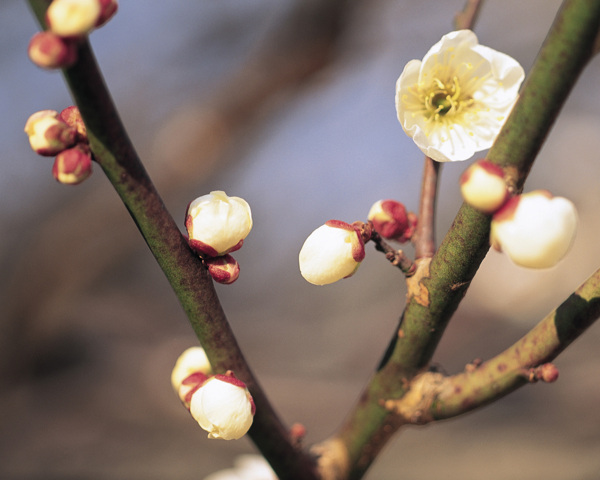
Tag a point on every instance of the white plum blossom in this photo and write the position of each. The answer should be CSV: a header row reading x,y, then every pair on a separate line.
x,y
223,407
536,230
482,186
454,101
332,252
217,224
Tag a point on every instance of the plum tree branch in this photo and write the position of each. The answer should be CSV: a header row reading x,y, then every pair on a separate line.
x,y
440,283
115,154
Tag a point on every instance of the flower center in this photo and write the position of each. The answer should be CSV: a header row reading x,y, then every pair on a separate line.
x,y
443,98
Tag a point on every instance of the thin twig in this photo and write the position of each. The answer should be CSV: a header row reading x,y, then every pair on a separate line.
x,y
424,238
468,16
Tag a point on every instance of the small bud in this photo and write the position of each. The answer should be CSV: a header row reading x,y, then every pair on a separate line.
x,y
72,117
548,372
73,18
48,135
483,186
224,269
536,230
223,407
192,360
48,50
72,166
217,224
332,252
391,220
108,8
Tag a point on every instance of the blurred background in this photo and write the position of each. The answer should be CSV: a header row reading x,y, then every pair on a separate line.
x,y
290,105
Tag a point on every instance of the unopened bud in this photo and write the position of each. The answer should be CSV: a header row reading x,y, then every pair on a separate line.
x,y
107,10
48,50
391,220
332,252
224,269
223,407
535,230
72,166
48,134
483,186
73,18
192,360
217,224
72,117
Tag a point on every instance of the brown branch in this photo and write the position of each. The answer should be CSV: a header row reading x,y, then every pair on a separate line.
x,y
466,18
424,237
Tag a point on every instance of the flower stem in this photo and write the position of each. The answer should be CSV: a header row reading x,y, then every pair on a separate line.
x,y
424,238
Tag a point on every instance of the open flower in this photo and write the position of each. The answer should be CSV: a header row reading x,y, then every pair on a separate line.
x,y
454,102
217,224
332,252
536,230
223,407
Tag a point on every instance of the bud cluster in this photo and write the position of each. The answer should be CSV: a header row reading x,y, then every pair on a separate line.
x,y
217,225
68,22
221,404
536,229
61,135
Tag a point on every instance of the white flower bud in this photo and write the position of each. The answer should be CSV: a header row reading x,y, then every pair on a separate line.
x,y
73,18
192,360
217,224
332,252
535,230
223,407
48,134
483,186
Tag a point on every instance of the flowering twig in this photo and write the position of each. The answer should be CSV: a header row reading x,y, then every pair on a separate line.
x,y
187,275
437,289
395,257
424,238
467,17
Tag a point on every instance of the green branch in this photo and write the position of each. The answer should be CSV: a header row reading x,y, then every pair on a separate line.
x,y
184,270
437,288
514,367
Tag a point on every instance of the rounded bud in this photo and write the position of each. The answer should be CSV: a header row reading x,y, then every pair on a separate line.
x,y
48,134
217,224
72,117
536,230
72,166
223,407
332,252
224,269
72,18
48,50
391,220
108,8
483,186
191,361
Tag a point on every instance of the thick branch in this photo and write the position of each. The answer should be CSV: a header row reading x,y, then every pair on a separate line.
x,y
495,378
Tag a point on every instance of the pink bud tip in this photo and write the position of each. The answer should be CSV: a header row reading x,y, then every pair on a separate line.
x,y
48,50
